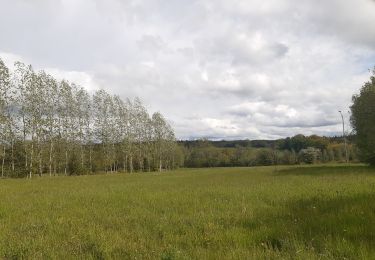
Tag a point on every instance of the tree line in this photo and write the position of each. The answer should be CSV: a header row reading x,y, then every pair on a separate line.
x,y
296,143
289,151
57,127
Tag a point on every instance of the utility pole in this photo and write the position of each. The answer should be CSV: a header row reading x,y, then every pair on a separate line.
x,y
343,134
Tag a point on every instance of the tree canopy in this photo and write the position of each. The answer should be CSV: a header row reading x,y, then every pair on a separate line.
x,y
363,120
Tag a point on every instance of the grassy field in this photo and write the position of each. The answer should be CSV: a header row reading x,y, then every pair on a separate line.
x,y
320,212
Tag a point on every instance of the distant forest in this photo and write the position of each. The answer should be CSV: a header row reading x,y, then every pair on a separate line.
x,y
291,150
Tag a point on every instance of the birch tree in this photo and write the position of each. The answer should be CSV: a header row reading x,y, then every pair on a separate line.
x,y
159,126
51,114
23,77
102,102
33,116
83,119
66,120
5,118
140,122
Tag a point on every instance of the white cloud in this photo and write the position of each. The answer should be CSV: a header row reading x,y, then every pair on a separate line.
x,y
80,78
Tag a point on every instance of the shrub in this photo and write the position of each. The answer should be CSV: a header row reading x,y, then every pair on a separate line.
x,y
310,155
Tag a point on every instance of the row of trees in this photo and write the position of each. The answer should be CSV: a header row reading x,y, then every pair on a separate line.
x,y
295,143
50,126
204,154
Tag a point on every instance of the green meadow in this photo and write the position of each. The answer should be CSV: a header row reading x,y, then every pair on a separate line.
x,y
299,212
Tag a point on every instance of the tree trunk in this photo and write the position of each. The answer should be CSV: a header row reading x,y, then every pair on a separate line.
x,y
24,139
125,160
148,163
12,155
131,163
54,169
159,164
66,161
90,158
105,157
40,163
50,158
3,161
39,157
82,156
31,158
140,159
113,157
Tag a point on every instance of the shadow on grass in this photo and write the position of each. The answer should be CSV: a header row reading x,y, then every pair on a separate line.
x,y
340,227
328,170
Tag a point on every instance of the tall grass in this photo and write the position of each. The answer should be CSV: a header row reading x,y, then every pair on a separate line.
x,y
315,212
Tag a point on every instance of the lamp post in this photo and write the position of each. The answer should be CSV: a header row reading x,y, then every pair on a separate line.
x,y
343,135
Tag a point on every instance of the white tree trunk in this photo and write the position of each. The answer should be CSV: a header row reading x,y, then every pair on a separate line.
x,y
50,158
3,162
66,162
12,155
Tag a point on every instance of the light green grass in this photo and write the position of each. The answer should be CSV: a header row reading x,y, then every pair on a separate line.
x,y
321,212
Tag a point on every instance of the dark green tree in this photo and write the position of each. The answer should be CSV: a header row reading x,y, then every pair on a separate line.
x,y
363,120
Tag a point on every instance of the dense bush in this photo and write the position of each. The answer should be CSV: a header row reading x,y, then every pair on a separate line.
x,y
75,166
265,157
310,155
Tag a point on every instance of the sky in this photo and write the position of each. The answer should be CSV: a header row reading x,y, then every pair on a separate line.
x,y
218,69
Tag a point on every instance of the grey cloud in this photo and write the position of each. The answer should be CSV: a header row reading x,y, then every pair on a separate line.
x,y
240,49
353,21
152,43
201,62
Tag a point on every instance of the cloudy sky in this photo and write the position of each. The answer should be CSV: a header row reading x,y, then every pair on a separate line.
x,y
224,69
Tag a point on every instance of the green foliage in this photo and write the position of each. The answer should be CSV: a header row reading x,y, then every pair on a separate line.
x,y
299,142
310,155
304,212
75,166
363,120
265,157
205,154
18,173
